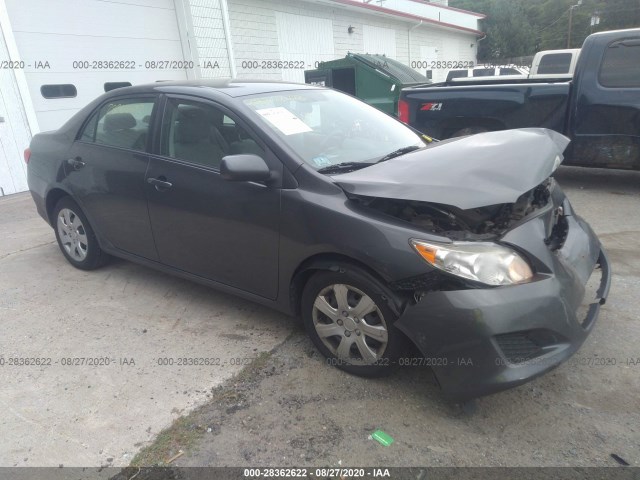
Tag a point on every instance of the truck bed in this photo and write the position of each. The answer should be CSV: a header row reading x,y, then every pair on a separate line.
x,y
491,105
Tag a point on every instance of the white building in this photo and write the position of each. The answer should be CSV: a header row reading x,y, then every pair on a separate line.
x,y
58,55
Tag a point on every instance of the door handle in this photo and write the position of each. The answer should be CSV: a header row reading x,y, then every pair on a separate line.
x,y
160,183
76,163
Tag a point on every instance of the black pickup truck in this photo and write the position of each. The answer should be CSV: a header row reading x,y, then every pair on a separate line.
x,y
598,109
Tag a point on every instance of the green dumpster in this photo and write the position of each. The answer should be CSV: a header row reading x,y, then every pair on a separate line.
x,y
375,79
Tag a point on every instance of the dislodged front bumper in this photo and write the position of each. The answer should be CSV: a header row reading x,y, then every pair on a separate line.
x,y
480,341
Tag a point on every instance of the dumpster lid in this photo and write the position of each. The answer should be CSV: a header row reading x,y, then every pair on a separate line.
x,y
398,70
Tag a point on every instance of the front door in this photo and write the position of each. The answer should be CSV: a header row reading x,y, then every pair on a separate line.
x,y
202,224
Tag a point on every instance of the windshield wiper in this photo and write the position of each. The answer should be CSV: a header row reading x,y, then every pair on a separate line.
x,y
345,167
399,152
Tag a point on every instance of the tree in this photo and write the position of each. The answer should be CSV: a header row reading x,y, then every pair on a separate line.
x,y
524,27
509,31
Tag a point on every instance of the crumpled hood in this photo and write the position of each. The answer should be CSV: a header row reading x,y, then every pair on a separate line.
x,y
475,171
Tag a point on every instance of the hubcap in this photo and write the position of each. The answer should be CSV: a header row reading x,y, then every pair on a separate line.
x,y
350,324
73,236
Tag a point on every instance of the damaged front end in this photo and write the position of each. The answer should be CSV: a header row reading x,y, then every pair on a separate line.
x,y
527,312
474,224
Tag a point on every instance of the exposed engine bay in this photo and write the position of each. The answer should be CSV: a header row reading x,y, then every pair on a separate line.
x,y
482,223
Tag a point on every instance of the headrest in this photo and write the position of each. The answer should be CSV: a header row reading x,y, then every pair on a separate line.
x,y
119,121
192,127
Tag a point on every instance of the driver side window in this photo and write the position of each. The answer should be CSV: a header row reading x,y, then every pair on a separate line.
x,y
202,134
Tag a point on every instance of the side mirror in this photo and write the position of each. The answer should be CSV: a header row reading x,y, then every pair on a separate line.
x,y
244,168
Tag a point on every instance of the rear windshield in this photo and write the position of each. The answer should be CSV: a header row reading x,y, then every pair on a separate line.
x,y
484,72
621,65
457,74
555,63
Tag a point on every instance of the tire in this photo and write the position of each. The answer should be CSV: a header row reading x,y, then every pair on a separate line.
x,y
329,326
76,238
463,132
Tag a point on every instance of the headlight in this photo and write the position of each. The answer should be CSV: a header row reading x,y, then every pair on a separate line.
x,y
483,262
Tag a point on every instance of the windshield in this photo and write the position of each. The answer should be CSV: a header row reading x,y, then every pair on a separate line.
x,y
327,128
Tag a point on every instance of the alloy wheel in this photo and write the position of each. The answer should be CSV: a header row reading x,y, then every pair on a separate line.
x,y
72,234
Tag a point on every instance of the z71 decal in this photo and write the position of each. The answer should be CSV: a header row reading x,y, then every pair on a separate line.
x,y
431,106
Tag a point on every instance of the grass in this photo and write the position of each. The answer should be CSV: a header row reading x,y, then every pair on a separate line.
x,y
185,431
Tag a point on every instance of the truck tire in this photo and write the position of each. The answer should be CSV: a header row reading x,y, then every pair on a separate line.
x,y
463,132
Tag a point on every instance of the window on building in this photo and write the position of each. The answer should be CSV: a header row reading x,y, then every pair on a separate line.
x,y
65,90
113,85
621,65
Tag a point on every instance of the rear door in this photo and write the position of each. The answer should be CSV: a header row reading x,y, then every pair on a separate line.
x,y
106,169
202,224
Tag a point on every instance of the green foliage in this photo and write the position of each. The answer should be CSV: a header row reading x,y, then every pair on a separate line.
x,y
523,27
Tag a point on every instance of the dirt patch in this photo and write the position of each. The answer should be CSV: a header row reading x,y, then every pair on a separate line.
x,y
184,433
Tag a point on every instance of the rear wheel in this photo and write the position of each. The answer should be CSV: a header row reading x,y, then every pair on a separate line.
x,y
349,319
76,238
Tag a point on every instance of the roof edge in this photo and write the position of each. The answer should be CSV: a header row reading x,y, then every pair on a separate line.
x,y
397,13
447,7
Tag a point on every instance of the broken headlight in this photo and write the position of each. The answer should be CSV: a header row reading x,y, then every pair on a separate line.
x,y
484,262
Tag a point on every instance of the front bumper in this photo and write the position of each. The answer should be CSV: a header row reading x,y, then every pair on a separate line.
x,y
480,341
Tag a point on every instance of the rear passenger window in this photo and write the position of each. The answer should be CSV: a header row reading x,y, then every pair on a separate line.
x,y
202,134
121,123
621,65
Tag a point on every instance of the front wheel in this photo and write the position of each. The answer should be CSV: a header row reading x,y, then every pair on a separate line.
x,y
76,238
349,319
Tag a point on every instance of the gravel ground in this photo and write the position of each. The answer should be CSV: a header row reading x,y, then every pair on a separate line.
x,y
290,409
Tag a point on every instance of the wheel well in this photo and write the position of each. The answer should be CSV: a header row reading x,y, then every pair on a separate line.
x,y
54,197
322,261
458,123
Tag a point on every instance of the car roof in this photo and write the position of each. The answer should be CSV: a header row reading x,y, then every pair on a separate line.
x,y
232,88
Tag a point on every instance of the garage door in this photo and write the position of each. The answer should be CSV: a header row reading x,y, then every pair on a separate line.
x,y
306,39
74,47
14,129
379,41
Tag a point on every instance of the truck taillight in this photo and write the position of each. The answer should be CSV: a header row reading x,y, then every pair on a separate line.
x,y
27,155
403,111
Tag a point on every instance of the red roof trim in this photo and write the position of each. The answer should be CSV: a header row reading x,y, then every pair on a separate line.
x,y
446,7
407,15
